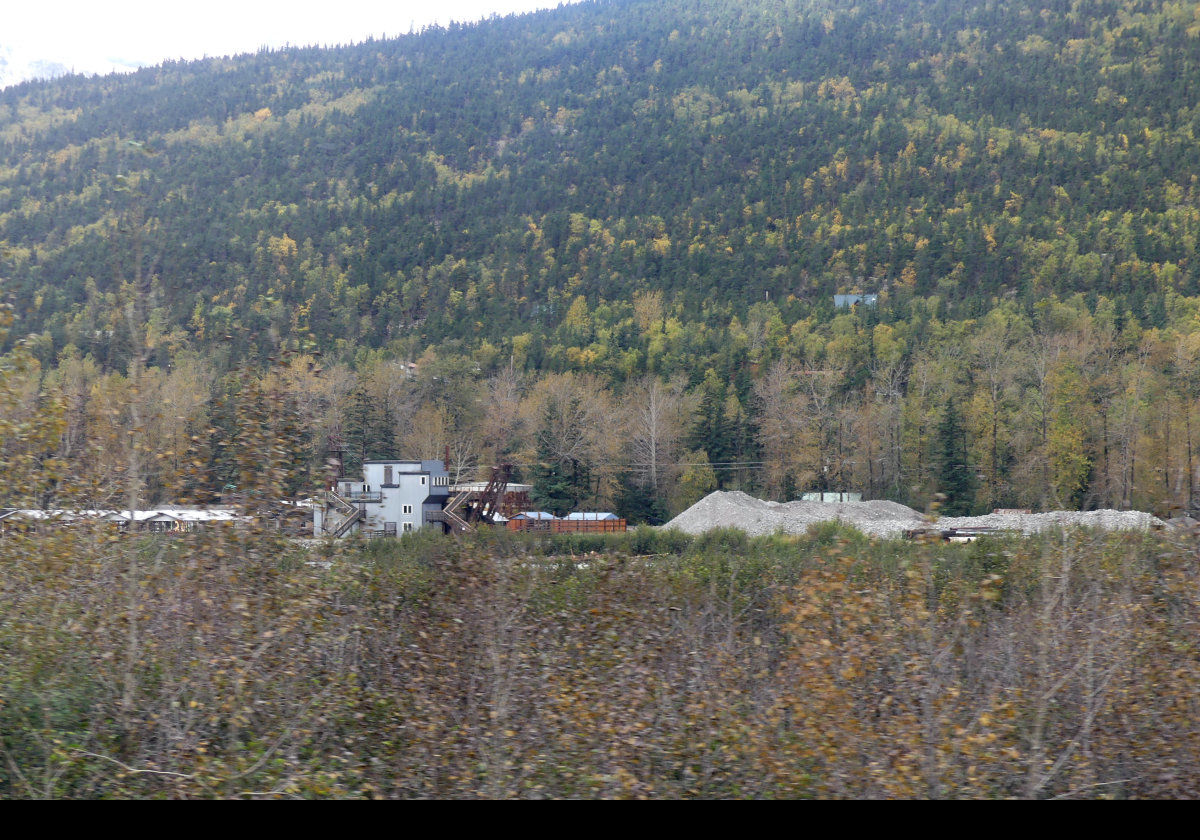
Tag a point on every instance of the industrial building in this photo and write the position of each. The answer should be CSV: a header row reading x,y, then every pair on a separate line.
x,y
393,497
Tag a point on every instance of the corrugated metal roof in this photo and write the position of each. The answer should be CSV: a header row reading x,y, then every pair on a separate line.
x,y
480,486
156,514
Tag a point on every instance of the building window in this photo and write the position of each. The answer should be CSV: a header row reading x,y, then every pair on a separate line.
x,y
407,527
422,481
408,509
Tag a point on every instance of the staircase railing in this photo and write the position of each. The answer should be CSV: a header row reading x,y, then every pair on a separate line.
x,y
452,516
352,514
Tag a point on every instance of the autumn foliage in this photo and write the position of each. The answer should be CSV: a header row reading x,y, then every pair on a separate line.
x,y
649,665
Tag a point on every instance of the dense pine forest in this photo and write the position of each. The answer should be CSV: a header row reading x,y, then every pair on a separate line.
x,y
603,242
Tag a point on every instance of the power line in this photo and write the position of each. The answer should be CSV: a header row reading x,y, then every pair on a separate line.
x,y
722,465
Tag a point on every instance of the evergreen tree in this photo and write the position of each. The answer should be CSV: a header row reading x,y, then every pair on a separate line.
x,y
560,481
789,492
637,504
368,434
955,479
558,487
715,431
220,474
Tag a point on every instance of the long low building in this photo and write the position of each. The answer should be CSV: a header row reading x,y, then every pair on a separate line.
x,y
590,522
170,519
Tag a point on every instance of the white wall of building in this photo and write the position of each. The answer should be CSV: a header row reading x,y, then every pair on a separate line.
x,y
396,493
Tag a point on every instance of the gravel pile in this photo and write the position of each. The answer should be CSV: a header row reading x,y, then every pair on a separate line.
x,y
1032,523
757,517
879,518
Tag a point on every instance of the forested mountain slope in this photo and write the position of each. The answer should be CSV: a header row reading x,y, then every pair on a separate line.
x,y
603,242
469,183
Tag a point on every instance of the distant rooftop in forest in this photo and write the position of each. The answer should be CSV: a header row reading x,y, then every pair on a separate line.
x,y
848,301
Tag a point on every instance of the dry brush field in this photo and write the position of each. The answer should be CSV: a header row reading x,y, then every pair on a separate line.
x,y
647,665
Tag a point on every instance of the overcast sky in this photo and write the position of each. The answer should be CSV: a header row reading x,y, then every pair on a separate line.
x,y
85,33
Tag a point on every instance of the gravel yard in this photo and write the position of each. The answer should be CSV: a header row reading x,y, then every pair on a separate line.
x,y
879,518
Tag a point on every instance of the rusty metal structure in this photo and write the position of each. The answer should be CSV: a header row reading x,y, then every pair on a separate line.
x,y
468,508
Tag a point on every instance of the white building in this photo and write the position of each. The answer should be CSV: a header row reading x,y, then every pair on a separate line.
x,y
837,496
393,497
168,519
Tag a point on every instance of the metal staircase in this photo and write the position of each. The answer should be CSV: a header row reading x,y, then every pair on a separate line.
x,y
466,509
450,516
335,502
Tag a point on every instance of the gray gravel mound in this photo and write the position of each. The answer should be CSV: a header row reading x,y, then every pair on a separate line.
x,y
880,518
1032,523
756,517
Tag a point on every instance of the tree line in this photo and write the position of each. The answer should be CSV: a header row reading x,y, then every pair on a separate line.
x,y
1069,407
